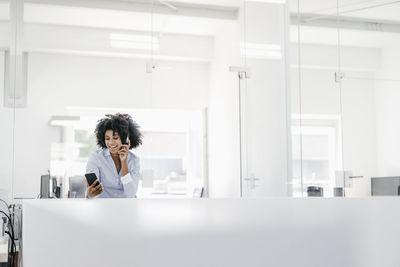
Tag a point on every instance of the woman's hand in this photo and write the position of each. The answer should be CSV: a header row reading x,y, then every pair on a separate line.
x,y
124,151
95,189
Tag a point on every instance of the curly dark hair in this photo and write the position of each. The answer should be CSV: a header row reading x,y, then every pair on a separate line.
x,y
123,125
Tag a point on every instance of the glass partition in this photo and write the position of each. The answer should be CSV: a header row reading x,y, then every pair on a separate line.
x,y
173,154
344,79
176,68
369,41
315,97
7,99
208,84
263,99
85,59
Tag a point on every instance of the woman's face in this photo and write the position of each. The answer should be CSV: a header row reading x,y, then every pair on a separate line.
x,y
113,141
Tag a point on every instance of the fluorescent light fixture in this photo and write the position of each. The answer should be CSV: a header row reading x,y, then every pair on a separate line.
x,y
64,120
131,45
172,7
268,1
133,37
134,41
257,50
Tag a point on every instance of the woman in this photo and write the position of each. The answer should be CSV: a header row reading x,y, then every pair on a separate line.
x,y
116,167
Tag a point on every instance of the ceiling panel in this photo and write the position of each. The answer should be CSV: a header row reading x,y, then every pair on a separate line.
x,y
370,9
387,12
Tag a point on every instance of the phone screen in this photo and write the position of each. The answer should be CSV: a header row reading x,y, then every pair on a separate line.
x,y
91,178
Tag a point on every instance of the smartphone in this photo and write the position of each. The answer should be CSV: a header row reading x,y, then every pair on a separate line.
x,y
126,141
91,178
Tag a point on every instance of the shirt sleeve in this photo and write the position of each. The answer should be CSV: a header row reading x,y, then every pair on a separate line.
x,y
92,166
131,180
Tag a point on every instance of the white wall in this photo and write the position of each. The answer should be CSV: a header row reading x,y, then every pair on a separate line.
x,y
223,126
266,129
387,97
59,81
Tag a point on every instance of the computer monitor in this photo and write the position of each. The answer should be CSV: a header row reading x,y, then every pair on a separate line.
x,y
385,186
45,186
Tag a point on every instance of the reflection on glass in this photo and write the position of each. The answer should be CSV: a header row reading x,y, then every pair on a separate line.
x,y
89,61
263,98
320,157
7,103
370,35
92,58
347,57
315,96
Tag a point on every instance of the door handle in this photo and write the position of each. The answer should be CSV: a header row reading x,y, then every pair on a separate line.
x,y
251,180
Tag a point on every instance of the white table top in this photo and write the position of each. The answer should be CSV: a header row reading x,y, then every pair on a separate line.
x,y
212,232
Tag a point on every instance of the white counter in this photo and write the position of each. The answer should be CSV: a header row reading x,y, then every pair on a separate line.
x,y
212,232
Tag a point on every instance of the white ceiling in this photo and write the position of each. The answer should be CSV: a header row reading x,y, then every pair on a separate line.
x,y
381,10
387,11
368,9
329,36
206,22
122,20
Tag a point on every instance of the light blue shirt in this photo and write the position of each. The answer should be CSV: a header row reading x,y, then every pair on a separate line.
x,y
101,163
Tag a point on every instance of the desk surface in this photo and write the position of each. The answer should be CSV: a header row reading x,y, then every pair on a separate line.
x,y
212,232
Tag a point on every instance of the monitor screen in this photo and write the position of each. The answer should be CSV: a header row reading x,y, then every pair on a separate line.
x,y
45,186
385,186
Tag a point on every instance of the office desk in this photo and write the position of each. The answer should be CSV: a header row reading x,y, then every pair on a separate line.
x,y
212,232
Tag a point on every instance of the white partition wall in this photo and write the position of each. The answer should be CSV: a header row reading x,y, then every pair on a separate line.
x,y
219,232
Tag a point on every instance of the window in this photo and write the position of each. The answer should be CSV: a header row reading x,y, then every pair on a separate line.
x,y
316,153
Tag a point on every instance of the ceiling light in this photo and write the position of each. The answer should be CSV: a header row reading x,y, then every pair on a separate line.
x,y
269,1
134,41
259,50
64,120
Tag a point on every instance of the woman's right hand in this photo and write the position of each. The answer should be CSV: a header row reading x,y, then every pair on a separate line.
x,y
95,189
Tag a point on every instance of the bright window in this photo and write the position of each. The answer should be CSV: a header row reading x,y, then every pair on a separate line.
x,y
316,153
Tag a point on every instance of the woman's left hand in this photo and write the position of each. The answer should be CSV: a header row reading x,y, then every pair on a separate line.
x,y
124,151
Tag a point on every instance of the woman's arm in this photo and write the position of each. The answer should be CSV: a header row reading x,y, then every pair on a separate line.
x,y
129,172
131,187
123,157
92,167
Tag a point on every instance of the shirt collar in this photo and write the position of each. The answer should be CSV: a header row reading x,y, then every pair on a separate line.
x,y
106,152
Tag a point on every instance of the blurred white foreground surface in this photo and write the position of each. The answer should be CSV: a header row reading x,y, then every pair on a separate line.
x,y
212,232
